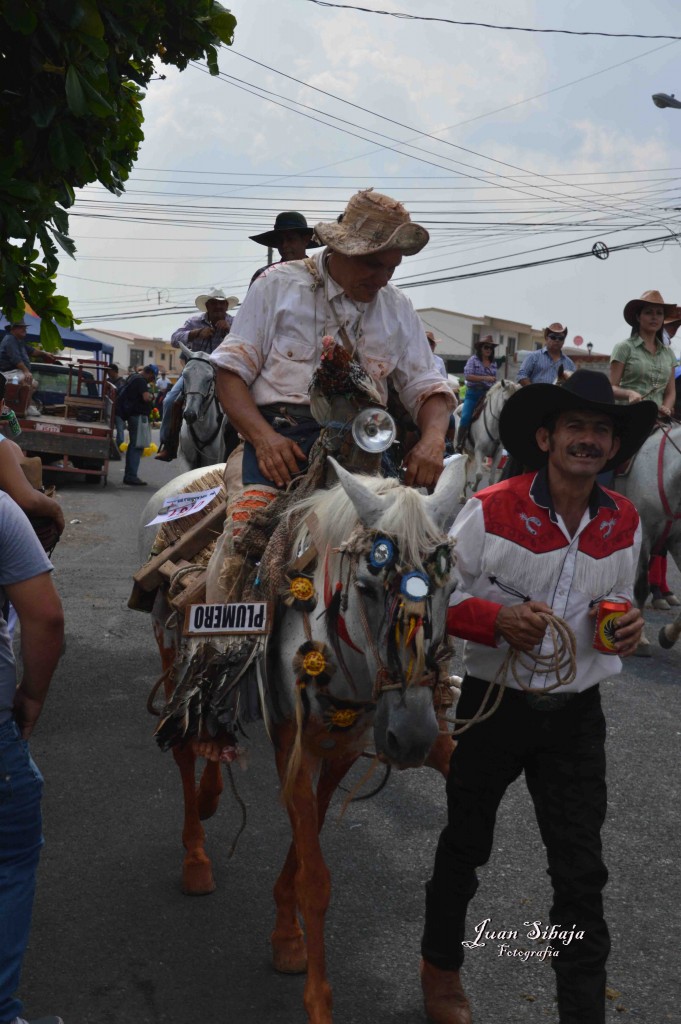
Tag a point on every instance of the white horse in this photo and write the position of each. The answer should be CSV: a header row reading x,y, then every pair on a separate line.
x,y
653,485
202,435
363,654
483,440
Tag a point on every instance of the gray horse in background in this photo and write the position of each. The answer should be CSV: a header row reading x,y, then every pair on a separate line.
x,y
202,441
653,485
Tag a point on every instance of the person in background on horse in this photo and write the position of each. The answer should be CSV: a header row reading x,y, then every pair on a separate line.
x,y
139,399
265,365
201,333
439,361
290,236
544,365
480,373
643,367
551,542
163,385
25,581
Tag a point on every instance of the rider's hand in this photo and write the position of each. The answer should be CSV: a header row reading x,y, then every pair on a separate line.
x,y
520,624
205,332
278,458
633,396
665,410
222,325
424,463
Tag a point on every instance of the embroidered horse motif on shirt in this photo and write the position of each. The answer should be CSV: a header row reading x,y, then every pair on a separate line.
x,y
607,526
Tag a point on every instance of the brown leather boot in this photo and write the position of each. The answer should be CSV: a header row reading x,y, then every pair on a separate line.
x,y
443,996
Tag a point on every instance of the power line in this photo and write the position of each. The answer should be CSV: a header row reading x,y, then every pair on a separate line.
x,y
484,24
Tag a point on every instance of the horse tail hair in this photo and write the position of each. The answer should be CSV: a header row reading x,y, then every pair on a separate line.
x,y
296,756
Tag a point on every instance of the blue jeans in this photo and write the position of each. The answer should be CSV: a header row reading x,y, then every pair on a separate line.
x,y
168,402
470,401
133,455
21,838
120,431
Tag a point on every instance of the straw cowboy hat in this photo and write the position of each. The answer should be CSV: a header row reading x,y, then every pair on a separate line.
x,y
653,298
217,294
291,220
528,409
373,223
556,329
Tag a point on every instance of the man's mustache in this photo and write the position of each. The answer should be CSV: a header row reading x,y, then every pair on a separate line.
x,y
591,450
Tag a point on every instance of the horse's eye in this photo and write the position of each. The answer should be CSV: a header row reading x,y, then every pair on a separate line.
x,y
367,588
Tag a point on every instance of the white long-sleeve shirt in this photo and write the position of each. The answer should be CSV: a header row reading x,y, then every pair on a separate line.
x,y
276,339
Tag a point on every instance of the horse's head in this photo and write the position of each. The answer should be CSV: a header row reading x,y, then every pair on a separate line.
x,y
386,599
199,386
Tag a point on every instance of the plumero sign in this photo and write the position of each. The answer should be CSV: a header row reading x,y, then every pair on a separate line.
x,y
242,617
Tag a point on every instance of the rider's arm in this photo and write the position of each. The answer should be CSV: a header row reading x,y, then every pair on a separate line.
x,y
624,394
669,398
277,456
424,463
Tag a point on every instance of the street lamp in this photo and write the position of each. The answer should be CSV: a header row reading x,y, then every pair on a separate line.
x,y
662,99
589,346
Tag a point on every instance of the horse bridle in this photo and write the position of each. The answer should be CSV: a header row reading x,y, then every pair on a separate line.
x,y
209,396
386,679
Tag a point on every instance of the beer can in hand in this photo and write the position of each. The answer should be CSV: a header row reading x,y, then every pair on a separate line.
x,y
11,417
607,619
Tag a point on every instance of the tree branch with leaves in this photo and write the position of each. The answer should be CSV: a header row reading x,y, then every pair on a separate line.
x,y
73,75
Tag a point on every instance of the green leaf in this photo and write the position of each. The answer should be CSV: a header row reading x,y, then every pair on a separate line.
x,y
75,95
50,339
95,101
19,16
212,60
89,22
223,23
67,244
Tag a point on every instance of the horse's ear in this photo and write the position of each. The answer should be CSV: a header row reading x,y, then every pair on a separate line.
x,y
187,351
443,503
368,506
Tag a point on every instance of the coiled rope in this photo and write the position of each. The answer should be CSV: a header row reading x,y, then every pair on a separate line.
x,y
561,662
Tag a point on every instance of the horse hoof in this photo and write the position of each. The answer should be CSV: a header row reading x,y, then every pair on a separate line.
x,y
660,604
672,600
289,956
197,879
663,640
643,651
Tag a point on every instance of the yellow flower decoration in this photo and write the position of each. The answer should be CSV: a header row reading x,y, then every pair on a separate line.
x,y
314,663
344,718
302,588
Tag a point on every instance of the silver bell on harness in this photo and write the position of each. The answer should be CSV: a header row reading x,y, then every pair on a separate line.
x,y
373,430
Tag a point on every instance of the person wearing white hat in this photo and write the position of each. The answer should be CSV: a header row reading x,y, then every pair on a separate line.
x,y
201,333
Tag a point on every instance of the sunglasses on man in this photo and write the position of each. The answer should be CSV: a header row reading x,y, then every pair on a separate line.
x,y
555,337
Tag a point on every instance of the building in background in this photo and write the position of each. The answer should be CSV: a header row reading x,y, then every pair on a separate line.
x,y
458,332
132,350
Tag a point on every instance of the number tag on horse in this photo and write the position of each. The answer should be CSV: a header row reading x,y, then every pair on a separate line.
x,y
185,504
242,617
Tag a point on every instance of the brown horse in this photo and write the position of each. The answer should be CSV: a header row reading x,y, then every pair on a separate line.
x,y
371,662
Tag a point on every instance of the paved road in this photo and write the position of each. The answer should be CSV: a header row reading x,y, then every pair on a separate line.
x,y
115,941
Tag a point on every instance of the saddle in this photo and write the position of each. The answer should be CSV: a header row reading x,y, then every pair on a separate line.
x,y
479,406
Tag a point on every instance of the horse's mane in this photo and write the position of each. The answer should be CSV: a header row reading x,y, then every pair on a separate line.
x,y
405,519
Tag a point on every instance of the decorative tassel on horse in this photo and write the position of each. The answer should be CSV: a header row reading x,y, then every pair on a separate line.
x,y
313,663
300,593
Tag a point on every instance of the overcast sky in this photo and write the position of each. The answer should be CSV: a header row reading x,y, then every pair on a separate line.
x,y
499,173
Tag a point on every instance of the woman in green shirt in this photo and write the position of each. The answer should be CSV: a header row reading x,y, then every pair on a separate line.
x,y
643,367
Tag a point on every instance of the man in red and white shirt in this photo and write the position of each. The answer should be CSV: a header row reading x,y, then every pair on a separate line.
x,y
549,542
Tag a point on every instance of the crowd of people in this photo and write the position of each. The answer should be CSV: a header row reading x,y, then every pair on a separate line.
x,y
549,542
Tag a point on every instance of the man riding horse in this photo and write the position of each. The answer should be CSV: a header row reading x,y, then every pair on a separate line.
x,y
202,333
266,362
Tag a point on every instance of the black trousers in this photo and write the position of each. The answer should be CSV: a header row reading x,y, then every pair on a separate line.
x,y
562,753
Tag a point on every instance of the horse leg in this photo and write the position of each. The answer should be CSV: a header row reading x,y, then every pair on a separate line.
x,y
210,789
641,590
197,873
289,952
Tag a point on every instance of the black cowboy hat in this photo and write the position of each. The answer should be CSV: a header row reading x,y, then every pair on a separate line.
x,y
528,409
289,221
